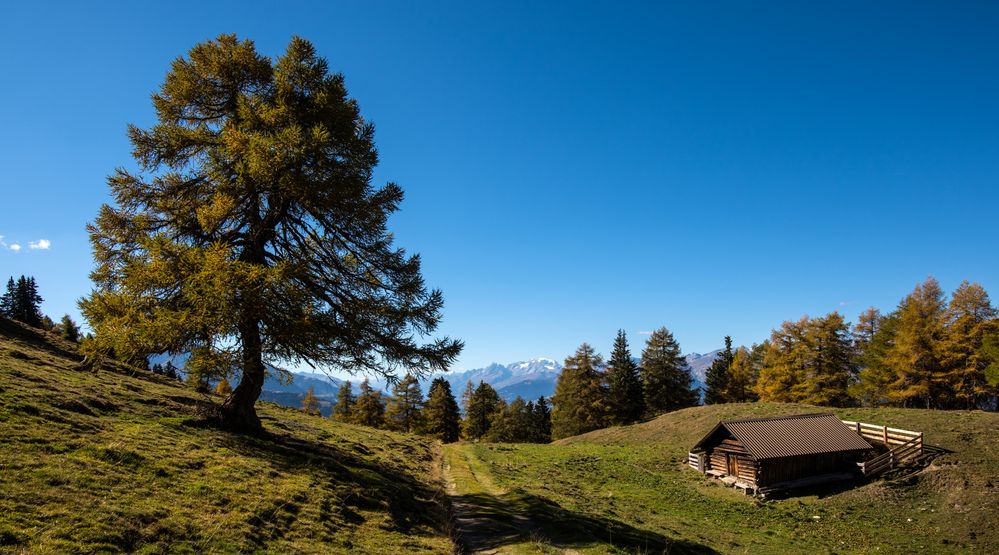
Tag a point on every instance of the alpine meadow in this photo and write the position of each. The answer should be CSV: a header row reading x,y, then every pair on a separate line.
x,y
740,256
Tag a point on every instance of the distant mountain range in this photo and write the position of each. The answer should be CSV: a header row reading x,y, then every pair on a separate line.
x,y
529,379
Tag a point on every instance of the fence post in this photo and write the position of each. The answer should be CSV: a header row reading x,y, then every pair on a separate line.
x,y
884,431
857,424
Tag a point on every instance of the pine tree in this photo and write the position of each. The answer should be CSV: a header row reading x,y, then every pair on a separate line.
x,y
22,302
252,231
624,387
310,404
970,319
875,376
782,378
666,378
580,401
915,356
68,329
369,410
170,371
441,416
482,405
512,423
404,412
223,388
343,410
716,379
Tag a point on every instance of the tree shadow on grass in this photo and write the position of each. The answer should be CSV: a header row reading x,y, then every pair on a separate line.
x,y
350,483
487,522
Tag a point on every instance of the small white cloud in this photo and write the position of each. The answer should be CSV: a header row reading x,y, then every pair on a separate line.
x,y
42,244
14,247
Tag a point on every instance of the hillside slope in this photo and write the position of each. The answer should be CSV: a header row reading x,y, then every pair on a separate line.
x,y
116,461
629,486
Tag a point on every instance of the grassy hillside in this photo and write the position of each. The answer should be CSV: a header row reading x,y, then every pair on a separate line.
x,y
116,460
628,489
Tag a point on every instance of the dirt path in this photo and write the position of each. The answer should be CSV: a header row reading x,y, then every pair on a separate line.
x,y
486,517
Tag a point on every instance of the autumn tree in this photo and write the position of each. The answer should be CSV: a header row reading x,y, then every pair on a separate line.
x,y
624,386
970,320
580,400
666,379
742,375
223,388
716,379
915,358
440,413
68,329
251,233
310,404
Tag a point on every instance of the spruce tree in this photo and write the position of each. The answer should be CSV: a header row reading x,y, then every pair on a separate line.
x,y
716,379
831,367
580,400
482,405
405,406
8,299
542,419
310,404
666,378
440,413
23,303
369,410
875,376
251,232
343,410
624,386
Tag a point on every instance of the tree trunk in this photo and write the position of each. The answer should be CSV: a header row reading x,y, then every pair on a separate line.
x,y
238,412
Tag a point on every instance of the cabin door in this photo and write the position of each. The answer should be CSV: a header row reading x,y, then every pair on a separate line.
x,y
733,464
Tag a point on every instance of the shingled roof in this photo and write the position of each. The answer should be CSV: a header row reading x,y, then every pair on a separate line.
x,y
790,436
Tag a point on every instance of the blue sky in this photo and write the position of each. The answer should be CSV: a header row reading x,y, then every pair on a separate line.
x,y
575,168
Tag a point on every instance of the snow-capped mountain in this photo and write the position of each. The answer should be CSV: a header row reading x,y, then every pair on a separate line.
x,y
530,378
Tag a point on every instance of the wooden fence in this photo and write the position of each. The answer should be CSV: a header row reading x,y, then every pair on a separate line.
x,y
903,445
696,461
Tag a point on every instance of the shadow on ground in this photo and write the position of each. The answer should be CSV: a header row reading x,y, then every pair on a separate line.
x,y
489,522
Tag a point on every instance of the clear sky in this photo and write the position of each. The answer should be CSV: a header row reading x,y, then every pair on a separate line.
x,y
572,169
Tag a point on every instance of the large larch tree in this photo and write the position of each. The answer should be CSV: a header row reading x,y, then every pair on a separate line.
x,y
251,234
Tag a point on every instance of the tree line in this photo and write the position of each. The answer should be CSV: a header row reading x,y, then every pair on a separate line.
x,y
22,302
929,352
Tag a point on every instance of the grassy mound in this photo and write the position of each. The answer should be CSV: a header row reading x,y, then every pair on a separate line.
x,y
116,461
635,478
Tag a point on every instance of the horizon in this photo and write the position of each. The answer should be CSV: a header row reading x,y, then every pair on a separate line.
x,y
571,171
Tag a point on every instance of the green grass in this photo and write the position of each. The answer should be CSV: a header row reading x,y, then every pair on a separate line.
x,y
628,489
117,461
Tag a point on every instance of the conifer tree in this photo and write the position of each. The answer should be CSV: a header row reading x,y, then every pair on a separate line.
x,y
369,410
830,369
782,378
405,406
223,388
441,416
170,371
68,329
874,376
542,419
915,356
252,234
343,410
482,405
512,423
466,396
624,386
666,378
47,324
741,377
971,318
716,380
8,299
580,400
310,404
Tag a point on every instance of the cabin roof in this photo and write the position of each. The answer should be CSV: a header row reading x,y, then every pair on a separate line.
x,y
790,436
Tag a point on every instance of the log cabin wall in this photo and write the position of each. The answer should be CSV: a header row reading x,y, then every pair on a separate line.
x,y
773,471
726,447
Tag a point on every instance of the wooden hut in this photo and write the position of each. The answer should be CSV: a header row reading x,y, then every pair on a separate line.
x,y
772,453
